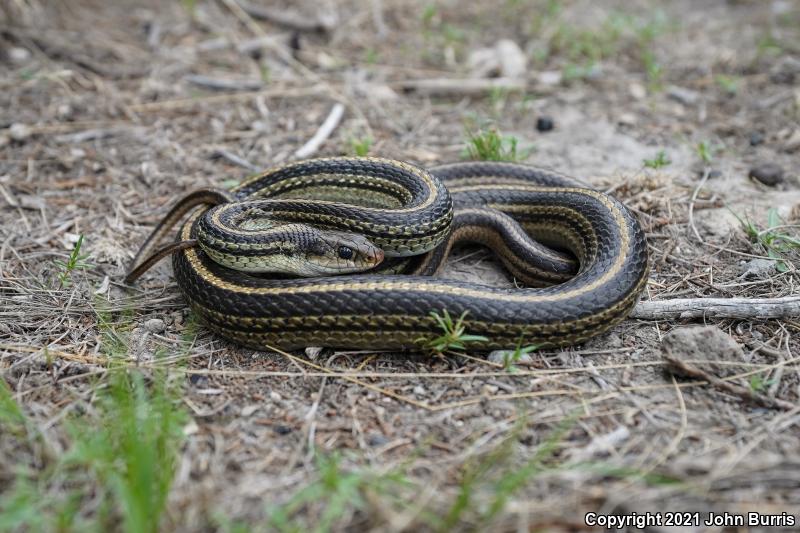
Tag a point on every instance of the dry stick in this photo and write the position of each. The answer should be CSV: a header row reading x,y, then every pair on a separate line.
x,y
324,131
706,173
224,84
468,86
235,159
742,308
285,92
281,17
686,369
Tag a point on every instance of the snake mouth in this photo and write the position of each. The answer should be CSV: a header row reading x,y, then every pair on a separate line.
x,y
375,256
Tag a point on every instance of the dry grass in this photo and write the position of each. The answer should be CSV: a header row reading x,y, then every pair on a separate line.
x,y
110,119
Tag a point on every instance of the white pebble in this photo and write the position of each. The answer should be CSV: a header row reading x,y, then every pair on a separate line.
x,y
19,132
18,55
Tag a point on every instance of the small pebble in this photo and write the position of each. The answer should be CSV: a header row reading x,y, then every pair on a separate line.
x,y
685,96
419,390
313,352
377,440
791,142
550,77
756,138
198,380
786,70
282,430
19,132
758,267
489,390
707,343
767,173
544,123
248,410
64,111
637,91
18,55
513,61
155,325
274,396
627,119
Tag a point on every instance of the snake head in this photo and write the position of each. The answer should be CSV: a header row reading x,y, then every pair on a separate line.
x,y
335,252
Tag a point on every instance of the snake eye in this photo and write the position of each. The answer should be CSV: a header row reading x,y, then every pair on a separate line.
x,y
345,252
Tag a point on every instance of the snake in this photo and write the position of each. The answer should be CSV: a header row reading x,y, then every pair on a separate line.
x,y
347,252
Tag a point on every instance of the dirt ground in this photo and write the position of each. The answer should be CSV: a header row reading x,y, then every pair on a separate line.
x,y
111,111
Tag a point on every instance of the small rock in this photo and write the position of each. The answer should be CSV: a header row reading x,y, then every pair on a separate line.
x,y
786,70
30,201
419,390
504,59
198,380
637,91
627,119
791,143
248,410
714,173
550,77
313,352
18,55
4,140
682,95
155,325
718,222
64,111
489,390
544,123
503,357
704,343
377,440
380,92
191,428
756,138
483,63
758,268
767,173
513,61
274,396
19,132
281,429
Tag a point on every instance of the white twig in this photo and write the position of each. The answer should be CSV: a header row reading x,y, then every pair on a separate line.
x,y
693,200
235,159
743,308
324,131
222,84
466,86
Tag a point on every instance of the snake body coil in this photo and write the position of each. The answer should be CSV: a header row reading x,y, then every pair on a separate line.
x,y
407,211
